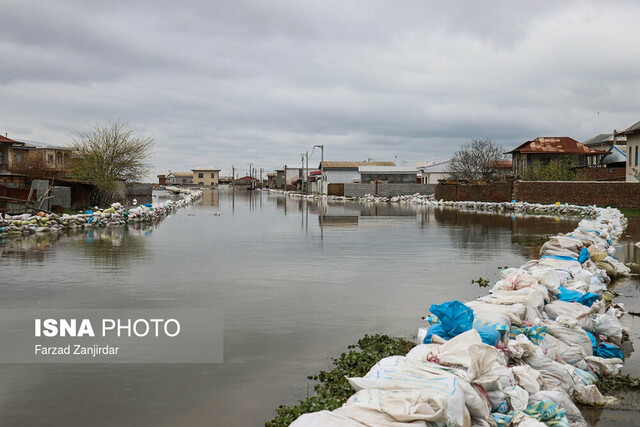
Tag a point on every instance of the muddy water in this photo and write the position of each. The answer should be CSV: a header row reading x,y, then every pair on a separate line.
x,y
298,282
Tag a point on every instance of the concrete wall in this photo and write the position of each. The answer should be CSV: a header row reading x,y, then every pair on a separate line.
x,y
391,178
338,176
620,194
492,192
387,190
633,143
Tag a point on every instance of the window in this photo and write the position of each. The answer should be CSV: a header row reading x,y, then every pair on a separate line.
x,y
200,175
201,183
59,159
19,158
50,159
636,155
213,175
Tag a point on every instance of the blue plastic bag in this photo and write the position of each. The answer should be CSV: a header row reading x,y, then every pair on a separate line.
x,y
455,317
488,334
608,351
568,295
584,255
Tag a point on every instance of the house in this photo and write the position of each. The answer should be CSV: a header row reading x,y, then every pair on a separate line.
x,y
207,176
246,181
605,140
162,179
542,150
633,143
501,167
388,174
272,180
180,178
6,152
434,172
346,172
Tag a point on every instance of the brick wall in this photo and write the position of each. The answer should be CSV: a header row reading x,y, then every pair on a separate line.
x,y
603,174
620,194
492,192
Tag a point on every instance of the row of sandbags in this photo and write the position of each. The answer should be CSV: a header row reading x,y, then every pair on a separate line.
x,y
520,356
114,215
429,200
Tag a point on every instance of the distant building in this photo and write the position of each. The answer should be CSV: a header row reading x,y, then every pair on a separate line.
x,y
246,181
206,176
180,178
388,174
162,179
346,172
633,143
542,150
605,140
502,167
6,152
434,172
272,180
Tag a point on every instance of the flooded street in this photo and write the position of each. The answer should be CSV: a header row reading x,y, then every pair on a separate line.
x,y
297,282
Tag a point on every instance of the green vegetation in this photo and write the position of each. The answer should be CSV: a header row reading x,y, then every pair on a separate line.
x,y
559,169
611,384
333,389
483,283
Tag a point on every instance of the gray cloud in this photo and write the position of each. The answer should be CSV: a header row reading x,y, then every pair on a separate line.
x,y
252,81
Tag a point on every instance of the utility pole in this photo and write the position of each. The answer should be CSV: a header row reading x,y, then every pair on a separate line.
x,y
321,167
250,175
302,166
233,176
306,174
261,169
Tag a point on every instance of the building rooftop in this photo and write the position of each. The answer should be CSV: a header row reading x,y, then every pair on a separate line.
x,y
9,140
554,145
501,164
387,169
439,167
181,174
352,165
205,168
635,128
604,138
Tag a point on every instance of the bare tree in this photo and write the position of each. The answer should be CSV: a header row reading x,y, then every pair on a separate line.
x,y
109,153
476,160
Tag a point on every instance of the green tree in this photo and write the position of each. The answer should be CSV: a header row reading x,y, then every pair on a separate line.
x,y
558,169
111,153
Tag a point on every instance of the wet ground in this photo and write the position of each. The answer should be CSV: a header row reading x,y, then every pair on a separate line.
x,y
298,282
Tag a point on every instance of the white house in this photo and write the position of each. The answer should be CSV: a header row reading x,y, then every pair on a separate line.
x,y
633,143
346,172
432,173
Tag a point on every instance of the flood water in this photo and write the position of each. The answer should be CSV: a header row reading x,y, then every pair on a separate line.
x,y
297,281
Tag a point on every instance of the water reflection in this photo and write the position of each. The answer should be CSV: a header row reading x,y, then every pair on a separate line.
x,y
299,281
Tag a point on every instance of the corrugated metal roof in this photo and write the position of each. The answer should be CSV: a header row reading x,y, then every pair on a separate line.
x,y
635,128
5,139
615,155
182,174
501,164
353,165
387,169
555,145
603,138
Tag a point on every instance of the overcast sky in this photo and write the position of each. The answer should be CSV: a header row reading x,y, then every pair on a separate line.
x,y
230,82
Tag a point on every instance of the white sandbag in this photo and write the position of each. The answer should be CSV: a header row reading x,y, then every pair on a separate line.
x,y
572,310
608,324
527,378
588,395
413,405
515,312
602,366
533,297
564,401
577,341
401,373
518,398
548,277
515,280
